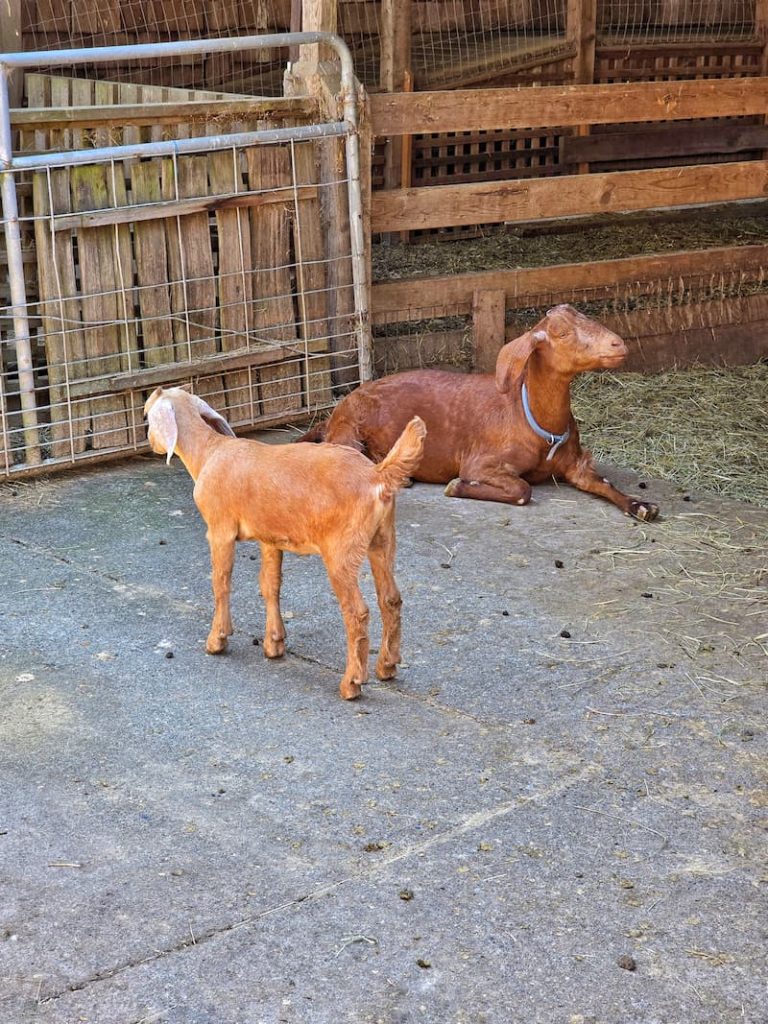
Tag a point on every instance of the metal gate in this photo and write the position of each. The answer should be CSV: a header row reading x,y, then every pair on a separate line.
x,y
232,261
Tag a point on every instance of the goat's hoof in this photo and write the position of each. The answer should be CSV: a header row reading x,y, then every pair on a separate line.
x,y
350,691
452,487
216,645
386,670
274,648
645,511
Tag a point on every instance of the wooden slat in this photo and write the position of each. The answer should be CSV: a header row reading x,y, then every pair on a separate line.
x,y
473,109
100,287
488,309
570,196
311,279
670,140
452,294
273,311
159,113
142,380
190,260
60,308
152,268
181,208
234,281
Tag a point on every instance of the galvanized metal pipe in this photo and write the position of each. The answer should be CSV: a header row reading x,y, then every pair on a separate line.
x,y
15,259
172,147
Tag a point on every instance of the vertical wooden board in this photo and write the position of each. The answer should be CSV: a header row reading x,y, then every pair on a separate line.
x,y
273,319
81,92
101,288
153,293
127,92
311,279
190,259
336,231
61,314
234,280
488,311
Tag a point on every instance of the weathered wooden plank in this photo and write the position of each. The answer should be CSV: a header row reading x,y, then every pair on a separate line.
x,y
152,267
235,285
190,259
142,380
60,310
565,105
452,294
124,113
177,208
568,196
311,279
668,141
273,309
730,332
488,310
100,287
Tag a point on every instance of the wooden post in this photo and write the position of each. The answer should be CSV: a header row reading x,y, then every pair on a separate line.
x,y
10,42
582,32
489,307
395,74
318,16
761,32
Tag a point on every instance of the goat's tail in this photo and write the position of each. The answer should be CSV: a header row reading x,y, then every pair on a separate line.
x,y
403,458
315,435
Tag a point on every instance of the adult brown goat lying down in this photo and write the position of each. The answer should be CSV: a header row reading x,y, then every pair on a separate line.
x,y
326,501
491,437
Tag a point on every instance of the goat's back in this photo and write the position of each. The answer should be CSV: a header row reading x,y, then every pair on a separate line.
x,y
456,408
290,495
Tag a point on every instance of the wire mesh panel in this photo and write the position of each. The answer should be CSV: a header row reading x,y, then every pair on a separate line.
x,y
622,21
147,246
209,269
60,24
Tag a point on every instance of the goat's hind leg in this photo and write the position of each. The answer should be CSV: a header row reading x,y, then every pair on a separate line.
x,y
381,555
270,578
222,545
343,575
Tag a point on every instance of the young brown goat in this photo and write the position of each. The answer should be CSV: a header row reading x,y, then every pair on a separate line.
x,y
492,437
326,501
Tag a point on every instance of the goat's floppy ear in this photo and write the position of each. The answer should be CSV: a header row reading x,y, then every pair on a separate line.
x,y
213,418
513,357
162,423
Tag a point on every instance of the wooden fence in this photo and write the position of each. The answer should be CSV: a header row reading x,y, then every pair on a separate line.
x,y
218,268
489,299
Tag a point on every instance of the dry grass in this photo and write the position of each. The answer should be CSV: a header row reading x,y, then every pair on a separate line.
x,y
705,428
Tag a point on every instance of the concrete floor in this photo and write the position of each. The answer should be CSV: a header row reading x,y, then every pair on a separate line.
x,y
526,826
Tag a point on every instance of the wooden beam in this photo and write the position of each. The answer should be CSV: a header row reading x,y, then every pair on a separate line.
x,y
567,196
141,380
581,30
679,140
159,113
565,105
453,294
182,208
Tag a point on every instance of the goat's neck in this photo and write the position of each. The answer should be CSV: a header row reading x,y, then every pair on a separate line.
x,y
195,441
549,395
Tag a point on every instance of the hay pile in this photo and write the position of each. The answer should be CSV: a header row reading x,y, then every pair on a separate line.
x,y
704,428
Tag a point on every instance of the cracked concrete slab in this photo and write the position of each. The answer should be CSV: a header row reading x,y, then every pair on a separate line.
x,y
557,812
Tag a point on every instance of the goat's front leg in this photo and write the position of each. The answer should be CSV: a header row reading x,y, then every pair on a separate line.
x,y
583,475
222,547
489,480
381,555
343,577
270,578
